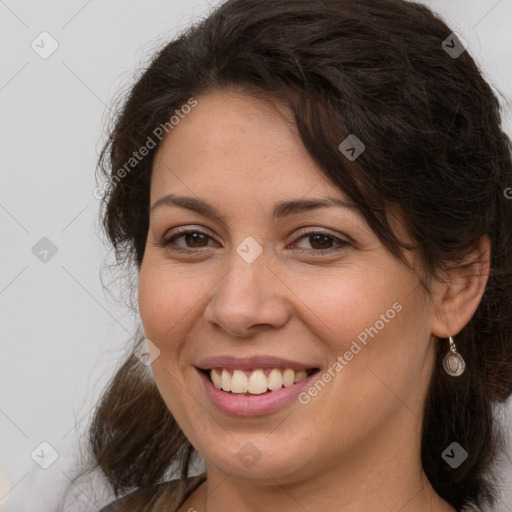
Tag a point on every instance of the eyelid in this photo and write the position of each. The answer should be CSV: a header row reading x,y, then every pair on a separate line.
x,y
339,240
303,230
166,240
315,231
186,229
306,230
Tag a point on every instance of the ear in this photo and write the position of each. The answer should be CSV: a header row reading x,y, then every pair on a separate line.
x,y
457,298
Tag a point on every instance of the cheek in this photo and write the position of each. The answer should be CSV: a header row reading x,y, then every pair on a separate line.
x,y
152,302
345,305
165,287
163,300
374,321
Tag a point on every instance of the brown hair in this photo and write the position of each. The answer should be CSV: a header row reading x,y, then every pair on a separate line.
x,y
435,149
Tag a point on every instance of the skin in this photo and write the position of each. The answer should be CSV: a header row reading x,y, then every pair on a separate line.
x,y
356,445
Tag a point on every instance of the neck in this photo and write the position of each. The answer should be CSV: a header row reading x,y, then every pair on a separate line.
x,y
231,494
363,483
383,471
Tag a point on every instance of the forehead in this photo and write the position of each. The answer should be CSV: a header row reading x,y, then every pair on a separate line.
x,y
233,144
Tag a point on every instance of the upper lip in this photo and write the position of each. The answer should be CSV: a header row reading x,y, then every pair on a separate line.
x,y
257,361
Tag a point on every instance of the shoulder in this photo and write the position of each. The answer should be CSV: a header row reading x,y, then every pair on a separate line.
x,y
169,494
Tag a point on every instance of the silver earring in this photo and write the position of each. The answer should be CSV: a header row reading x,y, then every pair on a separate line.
x,y
453,363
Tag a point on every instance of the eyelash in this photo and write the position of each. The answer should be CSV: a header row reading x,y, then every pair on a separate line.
x,y
166,242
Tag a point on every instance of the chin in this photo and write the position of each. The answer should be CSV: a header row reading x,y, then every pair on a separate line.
x,y
257,457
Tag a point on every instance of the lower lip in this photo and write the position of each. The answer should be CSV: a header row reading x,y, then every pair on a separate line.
x,y
253,405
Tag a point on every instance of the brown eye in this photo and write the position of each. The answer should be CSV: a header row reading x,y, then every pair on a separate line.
x,y
193,239
322,242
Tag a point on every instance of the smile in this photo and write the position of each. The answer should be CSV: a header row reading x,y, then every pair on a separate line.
x,y
257,381
238,400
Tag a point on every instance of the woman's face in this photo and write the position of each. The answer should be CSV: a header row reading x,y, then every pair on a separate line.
x,y
312,288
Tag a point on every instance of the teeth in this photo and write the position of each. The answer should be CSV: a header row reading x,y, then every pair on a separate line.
x,y
255,382
217,379
239,382
288,377
225,381
300,375
275,379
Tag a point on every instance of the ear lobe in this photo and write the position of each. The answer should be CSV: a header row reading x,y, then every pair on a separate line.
x,y
459,297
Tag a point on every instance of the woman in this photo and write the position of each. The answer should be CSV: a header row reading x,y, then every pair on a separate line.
x,y
312,195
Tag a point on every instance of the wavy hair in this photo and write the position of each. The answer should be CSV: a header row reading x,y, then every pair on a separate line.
x,y
435,149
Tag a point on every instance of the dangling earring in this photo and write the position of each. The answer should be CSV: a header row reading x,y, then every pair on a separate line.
x,y
453,363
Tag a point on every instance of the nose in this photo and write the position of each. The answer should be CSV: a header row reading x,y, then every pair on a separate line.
x,y
250,297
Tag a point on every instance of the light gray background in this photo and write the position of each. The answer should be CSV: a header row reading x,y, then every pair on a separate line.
x,y
61,333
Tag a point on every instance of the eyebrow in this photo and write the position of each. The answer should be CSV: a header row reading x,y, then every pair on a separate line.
x,y
280,210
